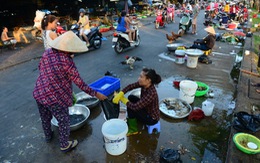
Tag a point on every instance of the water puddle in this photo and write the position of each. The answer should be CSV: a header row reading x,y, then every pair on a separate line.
x,y
203,140
198,135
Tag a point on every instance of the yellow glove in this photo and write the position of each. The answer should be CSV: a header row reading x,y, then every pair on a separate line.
x,y
124,100
117,97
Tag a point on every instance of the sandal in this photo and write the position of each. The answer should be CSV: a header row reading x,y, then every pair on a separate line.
x,y
72,145
257,90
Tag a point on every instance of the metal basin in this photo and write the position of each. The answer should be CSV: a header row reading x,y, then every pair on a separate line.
x,y
79,110
87,100
174,46
175,108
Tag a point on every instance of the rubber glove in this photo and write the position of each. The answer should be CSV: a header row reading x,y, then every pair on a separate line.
x,y
117,97
124,100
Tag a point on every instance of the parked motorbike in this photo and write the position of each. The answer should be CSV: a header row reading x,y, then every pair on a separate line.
x,y
185,23
159,21
94,36
121,40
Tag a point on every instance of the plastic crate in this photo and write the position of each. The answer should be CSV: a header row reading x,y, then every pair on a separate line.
x,y
106,85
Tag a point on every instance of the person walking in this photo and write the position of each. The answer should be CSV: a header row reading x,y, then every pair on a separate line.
x,y
53,88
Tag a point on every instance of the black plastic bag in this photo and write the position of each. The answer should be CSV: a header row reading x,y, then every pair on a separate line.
x,y
170,156
246,122
110,109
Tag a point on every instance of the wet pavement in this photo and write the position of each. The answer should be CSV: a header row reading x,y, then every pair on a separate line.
x,y
206,140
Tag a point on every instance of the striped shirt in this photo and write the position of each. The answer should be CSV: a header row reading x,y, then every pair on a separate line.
x,y
148,100
54,83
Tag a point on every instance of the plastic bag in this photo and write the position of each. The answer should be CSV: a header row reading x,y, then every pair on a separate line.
x,y
170,156
246,122
110,109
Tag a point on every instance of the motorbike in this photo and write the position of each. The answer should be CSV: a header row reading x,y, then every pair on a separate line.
x,y
185,23
94,36
121,41
159,21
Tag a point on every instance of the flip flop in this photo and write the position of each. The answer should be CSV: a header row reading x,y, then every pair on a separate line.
x,y
72,145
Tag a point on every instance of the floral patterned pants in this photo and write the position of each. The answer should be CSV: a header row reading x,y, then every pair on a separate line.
x,y
62,116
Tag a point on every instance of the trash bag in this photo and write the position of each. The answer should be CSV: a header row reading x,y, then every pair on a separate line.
x,y
170,156
110,109
245,122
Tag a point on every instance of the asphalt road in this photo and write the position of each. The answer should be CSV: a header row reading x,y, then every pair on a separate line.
x,y
22,136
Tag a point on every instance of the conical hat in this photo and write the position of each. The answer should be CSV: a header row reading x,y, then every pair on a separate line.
x,y
69,42
210,30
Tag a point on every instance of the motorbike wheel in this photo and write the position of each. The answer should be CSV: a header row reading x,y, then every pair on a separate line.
x,y
137,43
118,48
97,43
181,32
156,25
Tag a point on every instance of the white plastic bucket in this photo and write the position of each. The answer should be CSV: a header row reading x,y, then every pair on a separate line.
x,y
179,59
187,90
192,61
207,108
114,132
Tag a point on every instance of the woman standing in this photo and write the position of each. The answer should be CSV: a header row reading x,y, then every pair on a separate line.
x,y
49,25
53,88
145,108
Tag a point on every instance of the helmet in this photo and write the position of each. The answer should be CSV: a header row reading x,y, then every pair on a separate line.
x,y
82,10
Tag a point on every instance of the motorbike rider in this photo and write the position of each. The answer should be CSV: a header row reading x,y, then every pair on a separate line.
x,y
124,26
162,10
207,42
84,23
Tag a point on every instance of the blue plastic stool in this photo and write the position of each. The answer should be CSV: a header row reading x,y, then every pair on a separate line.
x,y
156,126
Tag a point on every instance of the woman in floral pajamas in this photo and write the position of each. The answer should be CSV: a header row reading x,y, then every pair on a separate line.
x,y
53,89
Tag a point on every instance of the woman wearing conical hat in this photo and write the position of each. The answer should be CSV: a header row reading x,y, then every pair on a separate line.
x,y
207,42
53,88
